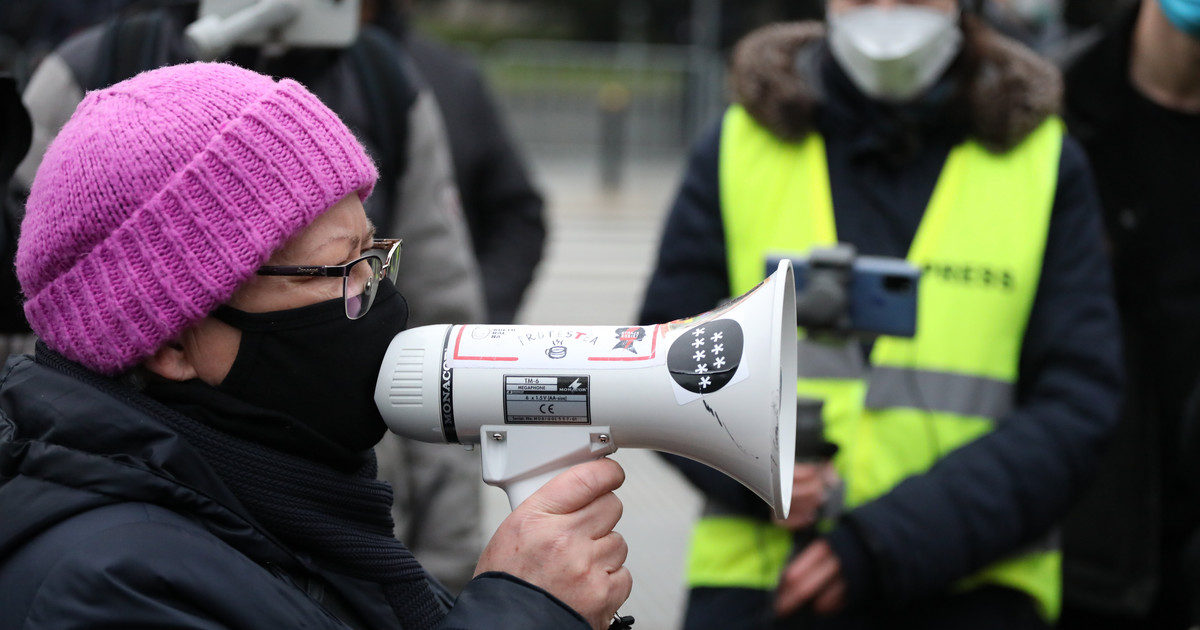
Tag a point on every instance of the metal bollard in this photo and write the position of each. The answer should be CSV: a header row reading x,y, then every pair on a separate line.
x,y
613,101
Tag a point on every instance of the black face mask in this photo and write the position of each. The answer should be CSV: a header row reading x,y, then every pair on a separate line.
x,y
317,366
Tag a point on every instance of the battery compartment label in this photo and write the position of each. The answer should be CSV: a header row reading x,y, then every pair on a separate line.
x,y
547,400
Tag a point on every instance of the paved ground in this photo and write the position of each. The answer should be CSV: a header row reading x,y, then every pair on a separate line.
x,y
601,250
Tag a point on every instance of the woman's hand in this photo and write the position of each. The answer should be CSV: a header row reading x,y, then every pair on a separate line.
x,y
561,539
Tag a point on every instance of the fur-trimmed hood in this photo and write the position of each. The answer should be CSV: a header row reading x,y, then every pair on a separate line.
x,y
1011,92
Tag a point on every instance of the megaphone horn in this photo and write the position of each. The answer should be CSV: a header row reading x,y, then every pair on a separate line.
x,y
718,388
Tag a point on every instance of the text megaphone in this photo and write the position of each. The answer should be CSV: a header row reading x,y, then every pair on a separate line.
x,y
718,388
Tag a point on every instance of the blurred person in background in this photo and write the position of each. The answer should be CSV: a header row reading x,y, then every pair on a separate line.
x,y
374,87
16,131
505,211
1086,14
908,130
505,217
1133,100
31,29
1038,24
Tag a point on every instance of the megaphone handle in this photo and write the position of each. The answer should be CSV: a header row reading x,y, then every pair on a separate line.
x,y
519,459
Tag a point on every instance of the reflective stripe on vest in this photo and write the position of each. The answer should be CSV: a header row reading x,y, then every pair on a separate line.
x,y
903,387
980,244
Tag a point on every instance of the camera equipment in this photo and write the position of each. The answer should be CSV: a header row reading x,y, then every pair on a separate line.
x,y
223,24
839,292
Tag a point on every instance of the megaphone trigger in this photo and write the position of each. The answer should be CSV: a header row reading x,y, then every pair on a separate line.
x,y
718,388
519,459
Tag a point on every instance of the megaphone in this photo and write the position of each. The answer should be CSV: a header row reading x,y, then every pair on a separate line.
x,y
718,388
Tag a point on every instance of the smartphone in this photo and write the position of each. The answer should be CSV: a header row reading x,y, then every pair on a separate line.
x,y
882,292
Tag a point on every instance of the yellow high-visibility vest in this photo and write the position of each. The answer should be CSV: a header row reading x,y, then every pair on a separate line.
x,y
980,245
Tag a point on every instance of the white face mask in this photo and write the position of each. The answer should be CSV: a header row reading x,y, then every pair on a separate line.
x,y
894,54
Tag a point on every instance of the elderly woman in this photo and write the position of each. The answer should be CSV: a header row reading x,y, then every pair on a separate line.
x,y
190,446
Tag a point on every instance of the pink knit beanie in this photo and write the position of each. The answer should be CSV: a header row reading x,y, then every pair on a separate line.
x,y
163,194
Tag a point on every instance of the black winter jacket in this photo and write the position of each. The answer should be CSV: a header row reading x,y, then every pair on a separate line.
x,y
505,211
108,518
1124,540
990,497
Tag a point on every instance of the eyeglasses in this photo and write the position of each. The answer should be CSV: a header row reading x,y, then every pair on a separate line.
x,y
360,278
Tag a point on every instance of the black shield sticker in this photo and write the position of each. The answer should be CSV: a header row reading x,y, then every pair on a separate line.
x,y
704,359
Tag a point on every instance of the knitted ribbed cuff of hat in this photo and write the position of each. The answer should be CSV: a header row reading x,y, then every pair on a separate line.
x,y
265,174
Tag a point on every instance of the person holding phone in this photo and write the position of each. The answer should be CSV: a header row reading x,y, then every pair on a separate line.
x,y
907,129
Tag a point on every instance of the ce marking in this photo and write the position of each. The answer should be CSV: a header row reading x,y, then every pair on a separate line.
x,y
547,409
